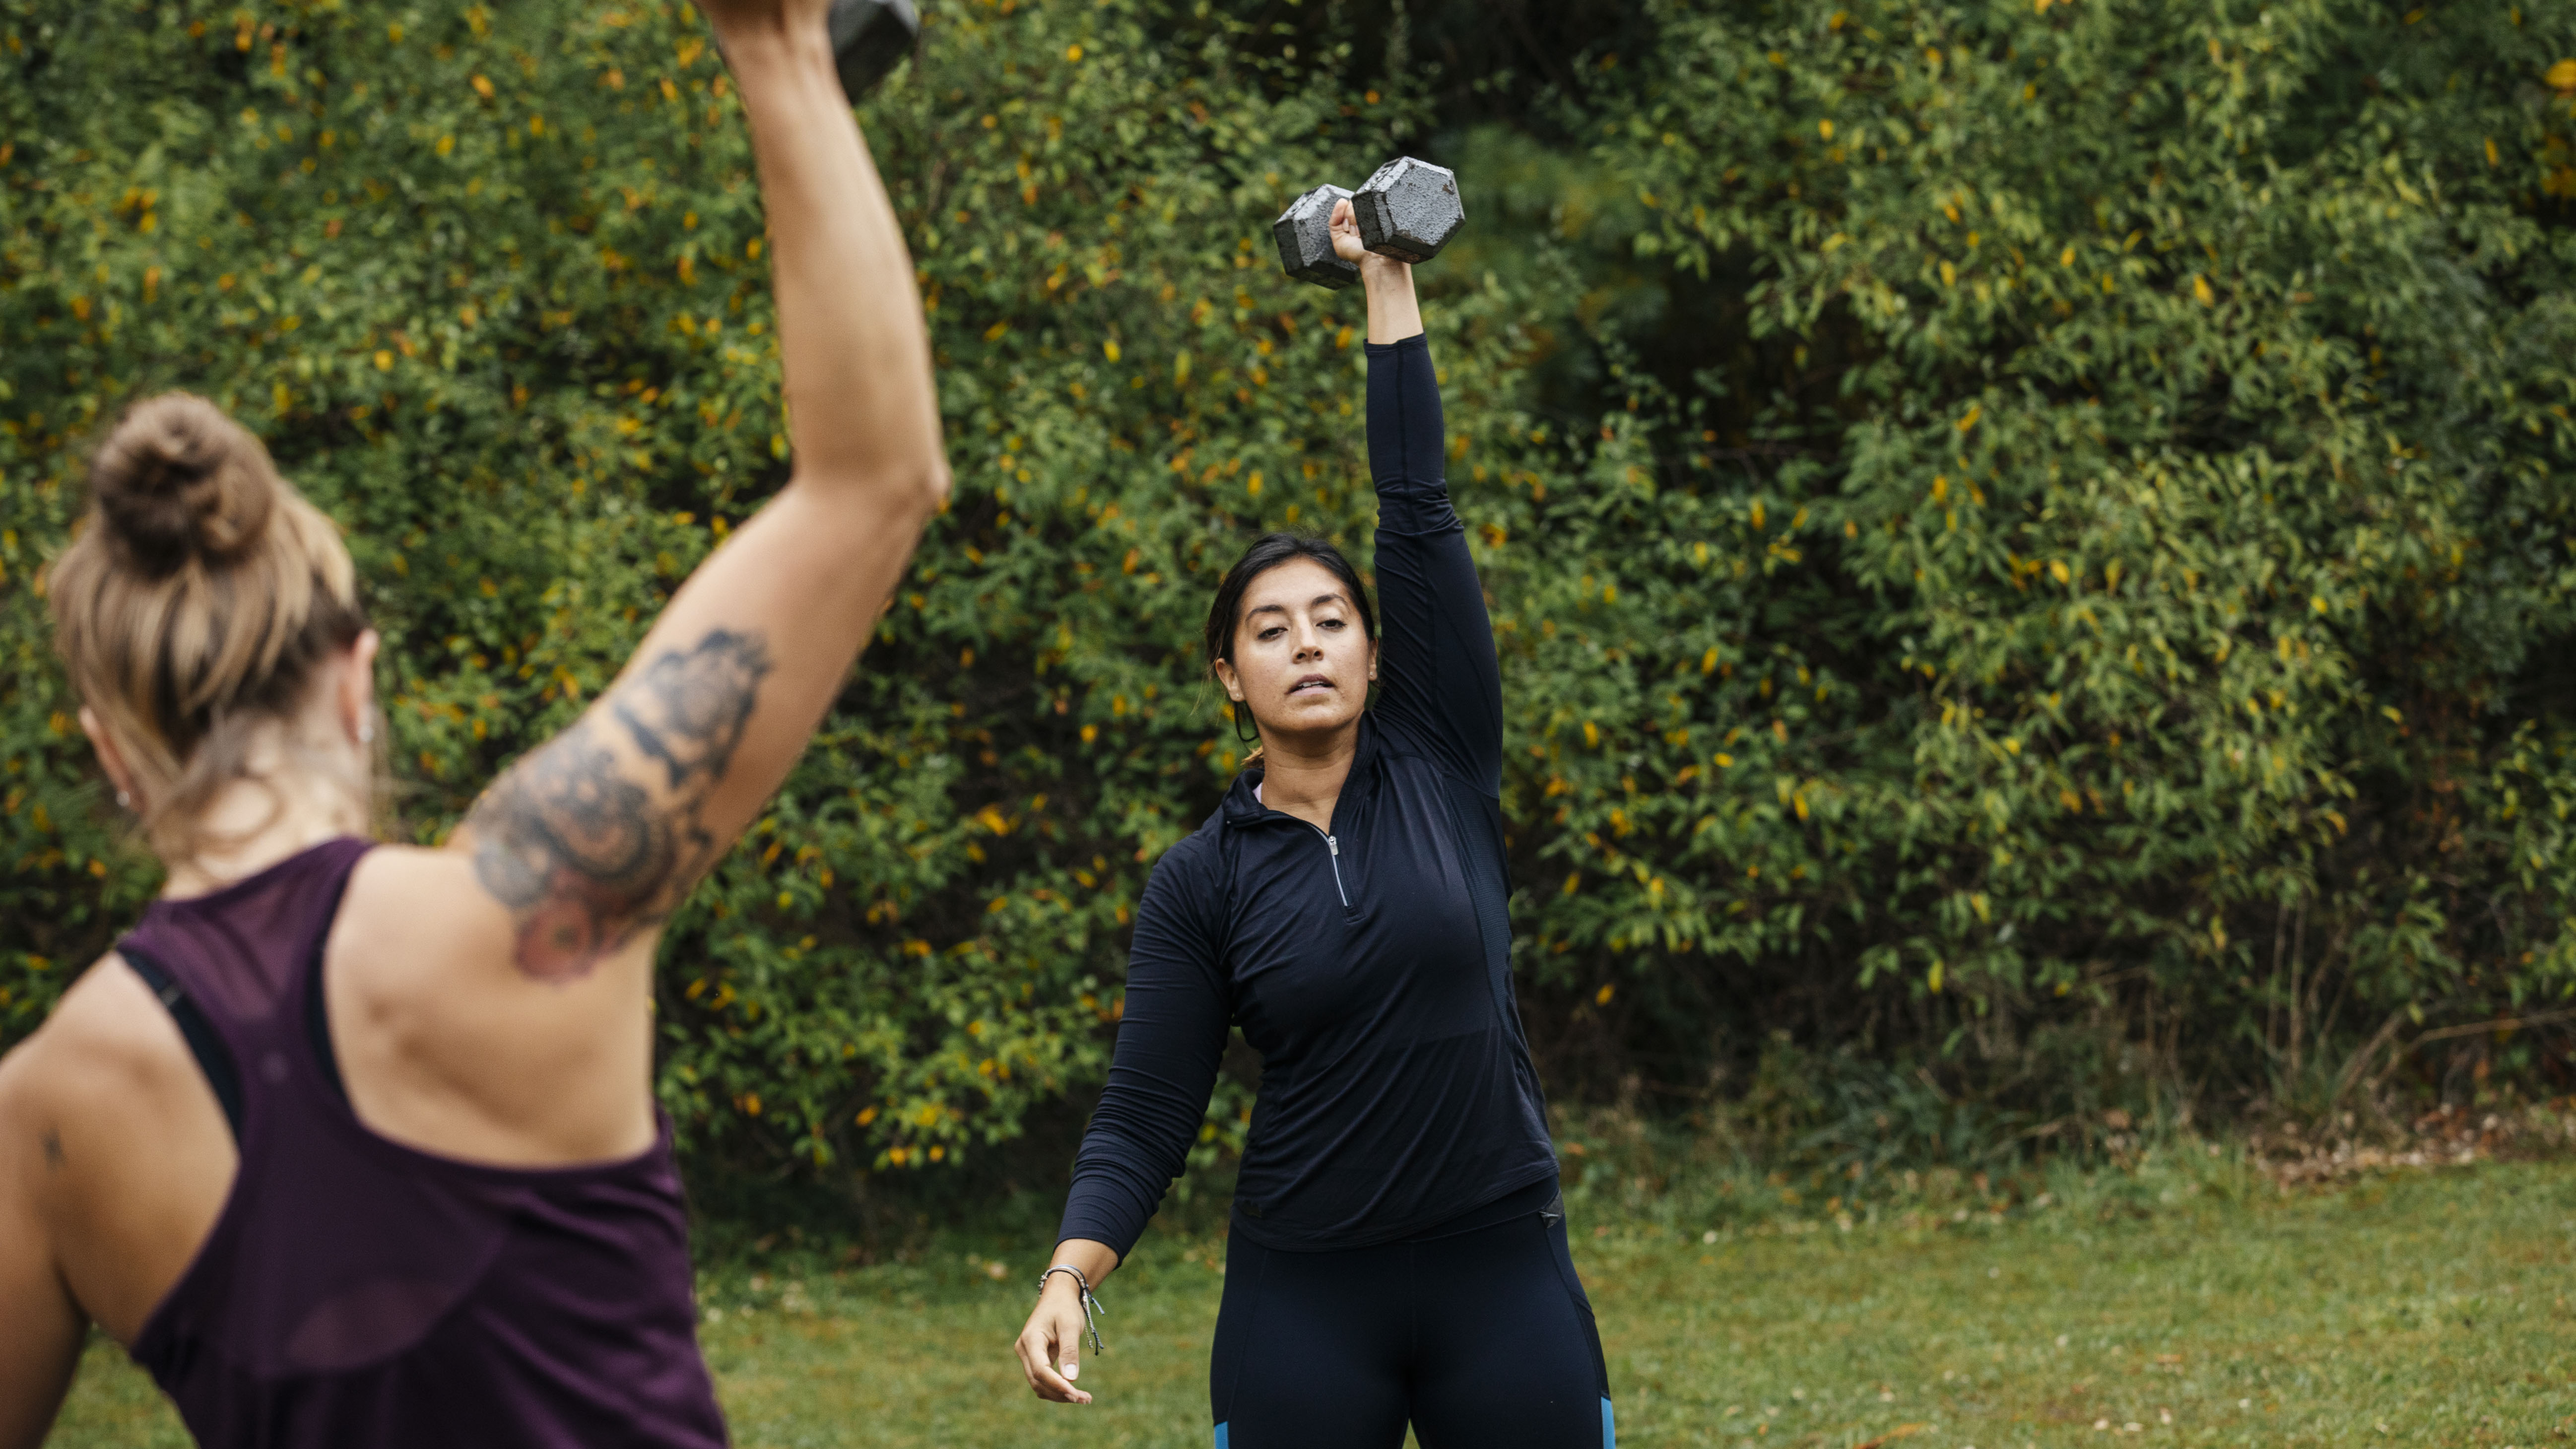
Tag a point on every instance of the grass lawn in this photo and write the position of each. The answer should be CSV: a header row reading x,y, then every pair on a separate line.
x,y
2426,1309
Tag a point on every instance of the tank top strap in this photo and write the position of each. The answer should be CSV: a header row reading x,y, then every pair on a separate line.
x,y
245,959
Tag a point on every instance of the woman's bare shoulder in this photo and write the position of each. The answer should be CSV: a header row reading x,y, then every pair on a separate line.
x,y
108,1029
445,1044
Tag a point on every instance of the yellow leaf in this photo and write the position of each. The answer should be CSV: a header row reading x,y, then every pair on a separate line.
x,y
1602,997
1949,274
2057,570
1825,129
1109,350
2562,76
2200,291
1073,52
1975,411
482,87
1933,981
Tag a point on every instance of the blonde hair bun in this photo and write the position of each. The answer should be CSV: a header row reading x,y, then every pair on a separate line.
x,y
178,480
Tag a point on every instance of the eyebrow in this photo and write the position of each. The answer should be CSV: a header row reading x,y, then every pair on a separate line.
x,y
1317,601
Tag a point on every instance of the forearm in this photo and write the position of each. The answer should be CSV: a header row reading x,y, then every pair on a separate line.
x,y
1393,314
1407,438
861,410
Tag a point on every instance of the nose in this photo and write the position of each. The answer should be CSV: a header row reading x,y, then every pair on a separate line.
x,y
1310,643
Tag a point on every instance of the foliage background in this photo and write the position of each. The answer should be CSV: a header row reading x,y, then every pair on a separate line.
x,y
2029,540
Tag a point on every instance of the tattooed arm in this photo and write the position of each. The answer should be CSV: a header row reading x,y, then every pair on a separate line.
x,y
593,839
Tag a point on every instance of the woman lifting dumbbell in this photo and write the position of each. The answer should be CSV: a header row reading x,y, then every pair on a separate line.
x,y
1397,1252
356,1145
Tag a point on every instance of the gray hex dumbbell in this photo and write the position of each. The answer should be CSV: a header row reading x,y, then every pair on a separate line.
x,y
1305,236
869,39
1409,209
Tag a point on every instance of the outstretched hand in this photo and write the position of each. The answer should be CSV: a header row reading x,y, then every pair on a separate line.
x,y
738,21
736,13
1393,315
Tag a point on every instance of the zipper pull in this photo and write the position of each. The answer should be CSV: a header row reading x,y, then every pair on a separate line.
x,y
1334,846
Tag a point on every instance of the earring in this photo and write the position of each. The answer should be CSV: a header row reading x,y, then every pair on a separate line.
x,y
367,733
1243,712
124,801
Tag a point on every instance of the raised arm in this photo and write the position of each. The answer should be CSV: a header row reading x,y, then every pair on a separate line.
x,y
1170,1039
590,841
1439,682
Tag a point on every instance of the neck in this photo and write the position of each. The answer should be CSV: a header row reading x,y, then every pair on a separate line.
x,y
1303,777
279,810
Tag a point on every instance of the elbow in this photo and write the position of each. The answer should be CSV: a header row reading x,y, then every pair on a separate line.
x,y
908,490
926,485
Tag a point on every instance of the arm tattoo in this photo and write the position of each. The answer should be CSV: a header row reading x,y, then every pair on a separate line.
x,y
597,835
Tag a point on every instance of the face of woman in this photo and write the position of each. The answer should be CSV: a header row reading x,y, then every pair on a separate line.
x,y
1301,659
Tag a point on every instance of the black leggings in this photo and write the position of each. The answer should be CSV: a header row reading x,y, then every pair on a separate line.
x,y
1482,1339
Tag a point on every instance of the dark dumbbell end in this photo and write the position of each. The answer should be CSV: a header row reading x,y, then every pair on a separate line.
x,y
1409,210
869,39
1305,236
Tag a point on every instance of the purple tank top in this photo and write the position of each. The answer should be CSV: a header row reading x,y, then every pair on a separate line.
x,y
357,1294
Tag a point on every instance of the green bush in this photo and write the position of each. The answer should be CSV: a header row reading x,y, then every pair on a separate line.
x,y
2027,540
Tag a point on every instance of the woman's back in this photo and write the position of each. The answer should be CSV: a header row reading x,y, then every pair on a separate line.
x,y
355,1290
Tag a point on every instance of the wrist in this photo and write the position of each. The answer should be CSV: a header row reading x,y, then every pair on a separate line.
x,y
759,48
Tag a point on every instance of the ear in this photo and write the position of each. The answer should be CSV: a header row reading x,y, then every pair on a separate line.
x,y
110,758
1372,661
1233,682
355,691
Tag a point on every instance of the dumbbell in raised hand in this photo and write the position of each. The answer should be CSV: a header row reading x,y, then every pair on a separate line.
x,y
1408,210
869,39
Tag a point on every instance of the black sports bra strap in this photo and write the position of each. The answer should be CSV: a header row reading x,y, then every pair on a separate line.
x,y
317,1024
214,1059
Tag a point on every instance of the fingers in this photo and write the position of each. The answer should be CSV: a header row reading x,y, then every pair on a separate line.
x,y
1344,219
1037,1348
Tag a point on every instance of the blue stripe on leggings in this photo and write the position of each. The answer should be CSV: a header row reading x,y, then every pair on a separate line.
x,y
1220,1433
1609,1430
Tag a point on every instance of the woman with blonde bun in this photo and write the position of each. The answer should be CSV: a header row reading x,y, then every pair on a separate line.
x,y
352,1144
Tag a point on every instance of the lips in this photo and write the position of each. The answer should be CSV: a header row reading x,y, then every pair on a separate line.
x,y
1310,682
